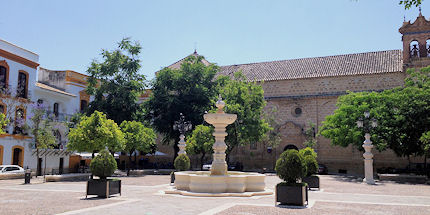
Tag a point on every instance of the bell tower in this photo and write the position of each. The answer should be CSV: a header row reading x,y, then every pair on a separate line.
x,y
416,42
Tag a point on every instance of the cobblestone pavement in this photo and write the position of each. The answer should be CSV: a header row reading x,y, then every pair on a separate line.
x,y
143,195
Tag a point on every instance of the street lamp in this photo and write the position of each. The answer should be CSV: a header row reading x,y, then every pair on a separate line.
x,y
182,126
367,124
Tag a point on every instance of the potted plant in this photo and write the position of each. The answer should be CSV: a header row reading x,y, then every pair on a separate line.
x,y
291,168
309,157
103,166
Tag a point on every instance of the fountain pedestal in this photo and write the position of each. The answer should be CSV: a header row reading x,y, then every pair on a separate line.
x,y
219,182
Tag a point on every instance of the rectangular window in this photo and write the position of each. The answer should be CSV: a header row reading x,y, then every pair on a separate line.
x,y
21,90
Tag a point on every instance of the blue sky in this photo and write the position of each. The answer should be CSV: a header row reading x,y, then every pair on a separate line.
x,y
69,34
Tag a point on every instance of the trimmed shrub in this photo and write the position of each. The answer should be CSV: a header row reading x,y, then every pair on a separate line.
x,y
182,163
308,151
290,166
311,165
103,165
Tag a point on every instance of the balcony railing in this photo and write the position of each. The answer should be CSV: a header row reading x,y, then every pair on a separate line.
x,y
61,117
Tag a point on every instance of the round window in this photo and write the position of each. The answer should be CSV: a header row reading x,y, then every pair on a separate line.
x,y
298,111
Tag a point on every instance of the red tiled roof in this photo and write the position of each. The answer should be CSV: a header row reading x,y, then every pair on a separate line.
x,y
339,65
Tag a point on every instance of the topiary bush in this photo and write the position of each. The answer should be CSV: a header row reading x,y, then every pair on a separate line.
x,y
311,165
182,163
290,166
308,151
103,165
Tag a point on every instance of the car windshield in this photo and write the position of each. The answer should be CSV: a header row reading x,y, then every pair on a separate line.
x,y
1,168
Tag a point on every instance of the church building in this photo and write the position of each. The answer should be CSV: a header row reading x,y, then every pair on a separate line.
x,y
306,90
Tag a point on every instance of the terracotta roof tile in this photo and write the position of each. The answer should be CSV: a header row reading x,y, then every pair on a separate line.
x,y
339,65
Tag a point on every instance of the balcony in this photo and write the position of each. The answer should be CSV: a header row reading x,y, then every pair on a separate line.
x,y
59,117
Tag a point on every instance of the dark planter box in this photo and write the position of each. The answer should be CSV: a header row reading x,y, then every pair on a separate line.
x,y
291,194
313,181
103,188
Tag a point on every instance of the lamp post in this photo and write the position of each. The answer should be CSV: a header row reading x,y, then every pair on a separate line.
x,y
182,126
367,124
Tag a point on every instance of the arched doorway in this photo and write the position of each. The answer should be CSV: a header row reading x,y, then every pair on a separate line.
x,y
18,155
290,146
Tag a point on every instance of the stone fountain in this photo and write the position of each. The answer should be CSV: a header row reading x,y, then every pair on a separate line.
x,y
219,181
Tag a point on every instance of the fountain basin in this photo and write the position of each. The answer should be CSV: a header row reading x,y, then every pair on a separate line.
x,y
233,182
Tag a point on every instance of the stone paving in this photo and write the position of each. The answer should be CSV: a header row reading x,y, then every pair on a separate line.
x,y
143,195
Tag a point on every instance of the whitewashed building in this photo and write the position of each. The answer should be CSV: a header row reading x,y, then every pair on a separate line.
x,y
23,83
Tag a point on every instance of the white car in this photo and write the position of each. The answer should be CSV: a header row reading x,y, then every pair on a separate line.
x,y
207,166
7,169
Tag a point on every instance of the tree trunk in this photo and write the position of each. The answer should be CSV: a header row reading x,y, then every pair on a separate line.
x,y
135,160
44,171
37,160
176,149
201,160
129,163
92,157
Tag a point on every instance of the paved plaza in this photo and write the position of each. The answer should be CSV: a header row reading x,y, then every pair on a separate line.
x,y
143,195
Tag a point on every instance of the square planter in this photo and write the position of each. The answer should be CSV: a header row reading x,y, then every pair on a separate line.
x,y
291,194
313,181
103,188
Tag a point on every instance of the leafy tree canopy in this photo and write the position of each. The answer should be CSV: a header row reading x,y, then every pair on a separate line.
x,y
116,83
95,133
403,115
3,123
410,3
245,99
138,137
189,90
201,141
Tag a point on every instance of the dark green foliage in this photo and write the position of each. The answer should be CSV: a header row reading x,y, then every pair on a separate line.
x,y
116,83
201,142
290,166
246,99
182,163
103,165
403,115
311,165
189,90
409,3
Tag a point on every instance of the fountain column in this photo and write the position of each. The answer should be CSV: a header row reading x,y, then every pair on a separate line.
x,y
219,120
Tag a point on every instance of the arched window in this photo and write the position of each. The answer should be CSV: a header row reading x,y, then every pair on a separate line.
x,y
2,109
3,78
415,49
84,105
428,47
22,87
56,113
19,121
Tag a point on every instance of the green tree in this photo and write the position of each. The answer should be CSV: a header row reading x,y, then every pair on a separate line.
x,y
245,99
3,123
116,83
41,130
403,115
189,90
201,142
410,3
137,137
95,133
273,135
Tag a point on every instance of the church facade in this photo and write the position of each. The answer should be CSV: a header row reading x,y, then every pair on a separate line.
x,y
305,91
